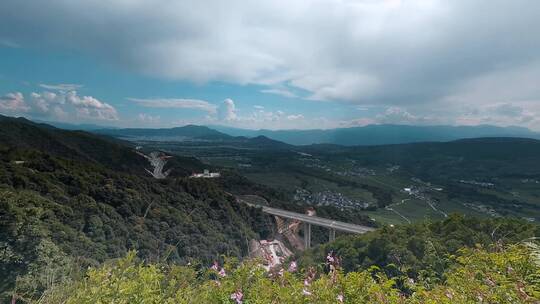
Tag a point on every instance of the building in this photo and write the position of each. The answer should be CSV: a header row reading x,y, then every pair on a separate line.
x,y
205,174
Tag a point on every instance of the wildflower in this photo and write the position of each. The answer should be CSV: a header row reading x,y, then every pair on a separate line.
x,y
293,267
330,258
215,266
237,296
222,272
306,292
340,298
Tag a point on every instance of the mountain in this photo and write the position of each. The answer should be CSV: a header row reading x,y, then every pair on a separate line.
x,y
70,126
382,134
20,133
492,157
75,199
189,132
193,136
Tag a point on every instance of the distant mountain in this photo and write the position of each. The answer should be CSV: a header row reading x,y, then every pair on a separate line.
x,y
189,132
382,134
193,133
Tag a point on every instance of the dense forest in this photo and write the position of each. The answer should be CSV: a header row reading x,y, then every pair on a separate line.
x,y
72,197
421,250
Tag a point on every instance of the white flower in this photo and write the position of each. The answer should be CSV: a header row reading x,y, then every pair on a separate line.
x,y
306,292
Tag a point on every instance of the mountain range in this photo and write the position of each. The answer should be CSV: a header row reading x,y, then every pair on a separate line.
x,y
355,136
382,134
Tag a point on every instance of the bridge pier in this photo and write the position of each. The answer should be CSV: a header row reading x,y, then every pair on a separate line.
x,y
332,235
307,235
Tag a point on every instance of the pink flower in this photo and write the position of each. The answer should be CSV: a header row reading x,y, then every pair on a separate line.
x,y
330,258
215,266
340,298
306,282
293,267
281,271
222,272
238,296
306,292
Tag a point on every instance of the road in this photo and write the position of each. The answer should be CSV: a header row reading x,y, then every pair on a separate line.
x,y
319,221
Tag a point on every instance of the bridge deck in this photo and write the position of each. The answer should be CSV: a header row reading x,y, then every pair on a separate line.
x,y
319,221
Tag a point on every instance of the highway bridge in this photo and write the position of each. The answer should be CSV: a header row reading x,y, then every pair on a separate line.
x,y
309,220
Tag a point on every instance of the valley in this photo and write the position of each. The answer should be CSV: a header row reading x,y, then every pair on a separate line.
x,y
72,200
391,184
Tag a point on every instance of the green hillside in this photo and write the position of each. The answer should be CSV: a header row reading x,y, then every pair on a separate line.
x,y
72,197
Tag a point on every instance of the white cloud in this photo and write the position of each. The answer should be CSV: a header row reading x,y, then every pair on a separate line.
x,y
279,91
295,117
227,110
176,103
13,103
148,119
435,58
60,105
391,53
61,86
396,115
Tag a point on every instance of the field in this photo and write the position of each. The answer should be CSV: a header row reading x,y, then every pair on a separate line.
x,y
394,184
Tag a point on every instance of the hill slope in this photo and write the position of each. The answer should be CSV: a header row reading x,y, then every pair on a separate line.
x,y
73,197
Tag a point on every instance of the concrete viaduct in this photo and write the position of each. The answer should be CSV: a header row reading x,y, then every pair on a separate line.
x,y
309,220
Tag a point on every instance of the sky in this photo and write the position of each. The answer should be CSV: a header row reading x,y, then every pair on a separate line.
x,y
271,64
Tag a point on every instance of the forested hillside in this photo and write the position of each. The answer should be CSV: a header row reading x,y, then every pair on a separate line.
x,y
74,198
422,250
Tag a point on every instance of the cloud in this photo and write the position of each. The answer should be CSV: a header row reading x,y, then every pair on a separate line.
x,y
434,58
13,103
295,117
281,92
58,105
149,119
61,86
176,103
227,110
392,53
395,115
9,43
507,109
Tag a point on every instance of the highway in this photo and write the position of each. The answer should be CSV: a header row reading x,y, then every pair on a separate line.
x,y
319,221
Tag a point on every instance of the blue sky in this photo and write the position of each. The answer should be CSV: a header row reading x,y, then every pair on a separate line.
x,y
271,64
29,70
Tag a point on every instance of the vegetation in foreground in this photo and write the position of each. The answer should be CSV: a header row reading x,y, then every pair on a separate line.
x,y
509,275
